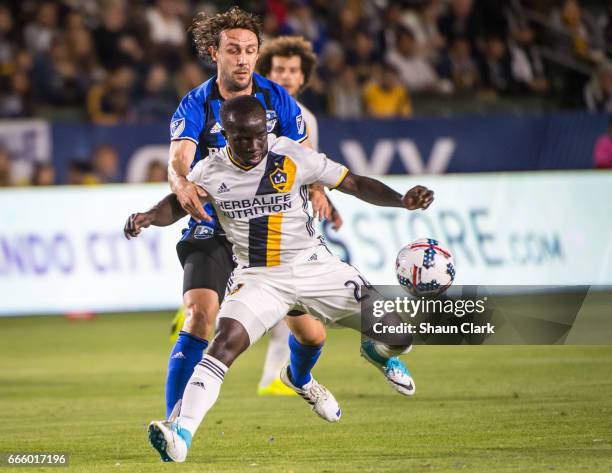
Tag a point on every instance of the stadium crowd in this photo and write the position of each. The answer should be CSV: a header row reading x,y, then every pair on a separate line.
x,y
118,61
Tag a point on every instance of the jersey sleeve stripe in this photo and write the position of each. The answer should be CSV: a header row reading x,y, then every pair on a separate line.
x,y
301,140
185,138
344,173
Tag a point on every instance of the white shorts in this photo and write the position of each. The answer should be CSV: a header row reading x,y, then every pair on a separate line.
x,y
316,282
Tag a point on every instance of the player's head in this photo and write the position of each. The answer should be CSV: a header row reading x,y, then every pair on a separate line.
x,y
231,39
244,127
289,61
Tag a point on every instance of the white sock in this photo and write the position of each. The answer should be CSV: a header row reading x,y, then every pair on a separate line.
x,y
201,392
277,355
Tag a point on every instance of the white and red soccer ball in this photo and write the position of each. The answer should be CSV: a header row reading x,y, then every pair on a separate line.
x,y
424,268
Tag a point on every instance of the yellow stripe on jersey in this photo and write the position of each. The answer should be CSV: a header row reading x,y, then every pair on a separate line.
x,y
273,247
344,173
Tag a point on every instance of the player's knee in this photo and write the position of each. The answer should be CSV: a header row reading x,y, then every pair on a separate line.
x,y
312,337
231,340
198,314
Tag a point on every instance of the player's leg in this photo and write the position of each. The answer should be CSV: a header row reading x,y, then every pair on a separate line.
x,y
206,269
277,356
332,292
252,307
173,439
305,344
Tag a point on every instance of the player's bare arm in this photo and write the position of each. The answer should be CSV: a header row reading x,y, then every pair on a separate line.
x,y
322,206
188,194
164,213
376,193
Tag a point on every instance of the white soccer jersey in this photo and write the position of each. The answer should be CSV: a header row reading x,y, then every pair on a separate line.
x,y
312,126
264,208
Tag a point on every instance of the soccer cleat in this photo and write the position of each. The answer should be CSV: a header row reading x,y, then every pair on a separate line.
x,y
395,371
315,394
275,388
170,440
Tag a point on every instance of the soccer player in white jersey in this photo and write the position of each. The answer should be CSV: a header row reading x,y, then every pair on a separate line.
x,y
258,185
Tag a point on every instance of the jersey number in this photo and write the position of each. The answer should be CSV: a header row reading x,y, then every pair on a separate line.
x,y
357,283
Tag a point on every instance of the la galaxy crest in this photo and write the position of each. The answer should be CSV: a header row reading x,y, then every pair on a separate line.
x,y
283,176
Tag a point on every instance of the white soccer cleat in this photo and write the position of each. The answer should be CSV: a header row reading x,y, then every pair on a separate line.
x,y
396,372
170,440
318,396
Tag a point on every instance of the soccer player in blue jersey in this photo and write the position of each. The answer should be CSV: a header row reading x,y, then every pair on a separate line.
x,y
231,40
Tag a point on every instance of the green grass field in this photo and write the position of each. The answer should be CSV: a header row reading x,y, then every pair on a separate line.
x,y
90,388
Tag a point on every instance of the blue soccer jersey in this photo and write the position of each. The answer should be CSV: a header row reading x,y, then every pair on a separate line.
x,y
197,119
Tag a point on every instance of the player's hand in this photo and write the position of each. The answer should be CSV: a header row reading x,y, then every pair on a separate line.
x,y
321,207
419,197
190,197
336,219
135,223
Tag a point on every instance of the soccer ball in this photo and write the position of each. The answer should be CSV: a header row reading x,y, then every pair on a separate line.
x,y
424,268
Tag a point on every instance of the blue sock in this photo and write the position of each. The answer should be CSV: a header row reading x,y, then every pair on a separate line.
x,y
186,354
302,359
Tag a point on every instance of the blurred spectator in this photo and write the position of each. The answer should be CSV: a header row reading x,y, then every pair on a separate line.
x,y
156,100
166,31
527,63
8,40
190,76
345,97
106,164
460,67
80,173
43,174
347,25
5,168
424,24
385,97
461,19
57,78
40,32
301,22
116,43
332,62
156,172
16,100
598,92
165,25
496,67
363,57
416,74
603,149
580,27
608,32
84,54
108,103
271,27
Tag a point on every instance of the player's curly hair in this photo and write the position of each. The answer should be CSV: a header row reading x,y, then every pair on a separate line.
x,y
206,29
287,46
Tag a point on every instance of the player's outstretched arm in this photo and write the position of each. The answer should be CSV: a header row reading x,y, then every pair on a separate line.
x,y
376,193
164,213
